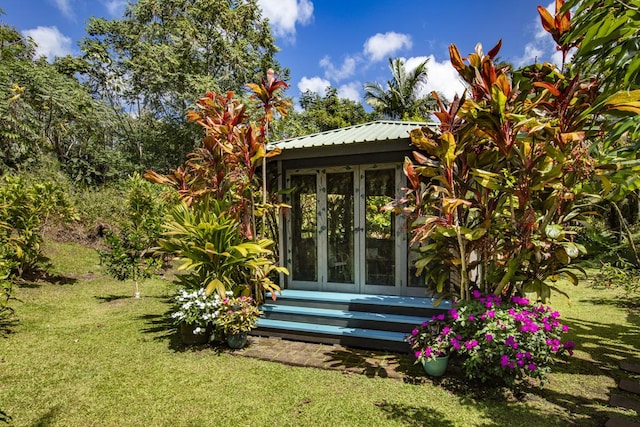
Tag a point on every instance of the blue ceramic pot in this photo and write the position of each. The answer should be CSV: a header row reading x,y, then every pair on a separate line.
x,y
436,367
238,340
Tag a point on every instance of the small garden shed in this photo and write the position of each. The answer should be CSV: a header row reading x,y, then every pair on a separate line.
x,y
349,262
335,237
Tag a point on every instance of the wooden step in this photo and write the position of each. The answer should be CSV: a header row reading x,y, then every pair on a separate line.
x,y
411,306
345,318
330,334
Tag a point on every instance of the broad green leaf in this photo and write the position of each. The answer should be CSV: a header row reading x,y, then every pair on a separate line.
x,y
554,231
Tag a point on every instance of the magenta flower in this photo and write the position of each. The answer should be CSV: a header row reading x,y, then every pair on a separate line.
x,y
504,360
414,332
446,330
491,314
476,294
471,318
489,337
454,314
531,367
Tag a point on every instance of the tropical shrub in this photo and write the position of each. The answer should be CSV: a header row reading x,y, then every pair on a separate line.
x,y
498,341
222,248
205,240
24,210
129,252
6,294
497,189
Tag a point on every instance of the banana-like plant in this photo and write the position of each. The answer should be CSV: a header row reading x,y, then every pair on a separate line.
x,y
212,253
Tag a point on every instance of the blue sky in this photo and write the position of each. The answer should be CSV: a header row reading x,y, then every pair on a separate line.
x,y
339,43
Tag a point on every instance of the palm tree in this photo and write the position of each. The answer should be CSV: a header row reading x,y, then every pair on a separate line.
x,y
401,99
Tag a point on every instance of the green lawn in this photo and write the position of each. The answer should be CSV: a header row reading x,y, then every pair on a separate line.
x,y
86,354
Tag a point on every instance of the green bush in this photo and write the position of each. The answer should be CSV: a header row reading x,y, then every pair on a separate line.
x,y
129,253
24,209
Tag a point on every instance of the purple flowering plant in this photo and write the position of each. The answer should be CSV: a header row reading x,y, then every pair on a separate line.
x,y
495,339
432,339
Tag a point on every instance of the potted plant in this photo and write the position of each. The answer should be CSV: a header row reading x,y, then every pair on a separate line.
x,y
431,343
195,314
498,341
237,316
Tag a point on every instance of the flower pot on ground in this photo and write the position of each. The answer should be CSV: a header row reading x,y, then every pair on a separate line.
x,y
191,334
436,367
237,316
195,313
237,340
432,342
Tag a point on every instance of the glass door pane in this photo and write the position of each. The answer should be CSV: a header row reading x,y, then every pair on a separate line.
x,y
304,228
379,231
340,227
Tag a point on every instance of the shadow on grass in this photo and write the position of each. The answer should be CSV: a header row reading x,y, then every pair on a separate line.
x,y
163,328
373,363
414,416
48,418
111,298
30,279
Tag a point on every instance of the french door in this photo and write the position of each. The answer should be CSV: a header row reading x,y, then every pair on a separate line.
x,y
338,239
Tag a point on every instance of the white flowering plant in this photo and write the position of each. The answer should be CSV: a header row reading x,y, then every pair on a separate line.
x,y
196,308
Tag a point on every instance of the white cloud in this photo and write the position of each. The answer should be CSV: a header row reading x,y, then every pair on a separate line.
x,y
346,70
442,77
533,52
51,42
65,7
381,46
350,91
314,84
284,14
115,8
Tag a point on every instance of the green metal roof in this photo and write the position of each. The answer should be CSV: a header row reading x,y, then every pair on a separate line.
x,y
378,131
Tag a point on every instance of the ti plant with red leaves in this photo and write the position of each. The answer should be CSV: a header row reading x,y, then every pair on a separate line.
x,y
224,169
494,191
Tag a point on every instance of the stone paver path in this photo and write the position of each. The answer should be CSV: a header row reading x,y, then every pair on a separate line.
x,y
324,356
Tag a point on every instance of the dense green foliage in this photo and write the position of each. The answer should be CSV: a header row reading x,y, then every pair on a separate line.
x,y
320,114
43,110
121,106
497,189
156,61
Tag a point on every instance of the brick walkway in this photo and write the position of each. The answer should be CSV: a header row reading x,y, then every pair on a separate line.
x,y
335,357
